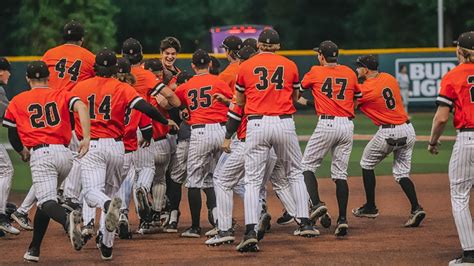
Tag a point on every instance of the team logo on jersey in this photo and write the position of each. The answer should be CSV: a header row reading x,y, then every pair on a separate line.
x,y
425,76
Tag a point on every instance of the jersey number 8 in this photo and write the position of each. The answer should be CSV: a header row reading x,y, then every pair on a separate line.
x,y
389,100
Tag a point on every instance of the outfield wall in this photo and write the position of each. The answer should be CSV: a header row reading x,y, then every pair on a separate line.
x,y
426,66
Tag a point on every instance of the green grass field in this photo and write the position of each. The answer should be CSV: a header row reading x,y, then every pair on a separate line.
x,y
422,161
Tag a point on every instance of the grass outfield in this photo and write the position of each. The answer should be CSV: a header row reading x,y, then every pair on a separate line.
x,y
422,161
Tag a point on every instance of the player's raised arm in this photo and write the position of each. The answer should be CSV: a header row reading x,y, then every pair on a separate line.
x,y
167,92
148,109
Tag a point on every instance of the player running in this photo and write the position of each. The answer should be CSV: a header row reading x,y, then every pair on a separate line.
x,y
267,85
457,95
39,129
382,103
334,87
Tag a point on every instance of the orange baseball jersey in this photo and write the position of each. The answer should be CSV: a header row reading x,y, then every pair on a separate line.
x,y
134,119
381,100
197,95
41,116
237,113
146,82
159,130
268,81
457,92
229,75
68,64
333,88
107,100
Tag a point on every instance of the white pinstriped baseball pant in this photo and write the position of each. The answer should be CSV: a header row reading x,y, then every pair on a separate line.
x,y
49,167
262,135
6,175
378,149
333,135
162,152
461,179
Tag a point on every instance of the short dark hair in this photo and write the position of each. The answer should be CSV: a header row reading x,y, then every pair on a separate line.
x,y
330,59
401,67
170,42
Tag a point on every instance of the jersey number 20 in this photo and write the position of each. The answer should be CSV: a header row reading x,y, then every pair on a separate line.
x,y
40,116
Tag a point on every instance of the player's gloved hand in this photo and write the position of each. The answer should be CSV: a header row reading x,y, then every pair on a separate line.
x,y
221,98
25,154
433,148
184,114
83,147
226,146
144,143
173,124
167,76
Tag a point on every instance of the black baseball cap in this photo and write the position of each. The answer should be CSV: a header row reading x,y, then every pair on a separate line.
x,y
269,36
201,58
4,64
328,49
37,70
232,43
183,77
154,64
466,40
106,58
369,61
73,31
123,65
131,47
246,52
250,42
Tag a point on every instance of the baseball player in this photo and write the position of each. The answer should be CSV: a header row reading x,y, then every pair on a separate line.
x,y
334,87
382,103
169,50
266,85
133,120
20,216
39,129
70,63
206,118
6,167
147,86
101,168
250,42
457,94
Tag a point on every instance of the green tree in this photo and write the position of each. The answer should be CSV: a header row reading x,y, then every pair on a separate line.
x,y
39,24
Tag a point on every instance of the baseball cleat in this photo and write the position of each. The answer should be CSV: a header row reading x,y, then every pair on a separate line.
x,y
74,229
285,219
463,260
144,228
263,225
155,218
325,220
211,233
105,252
22,220
113,213
223,237
341,228
123,227
317,211
143,205
248,243
32,255
98,239
365,211
307,230
70,206
192,232
171,227
164,218
416,217
88,231
8,228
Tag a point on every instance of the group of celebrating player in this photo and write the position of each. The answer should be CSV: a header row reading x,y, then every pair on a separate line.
x,y
101,130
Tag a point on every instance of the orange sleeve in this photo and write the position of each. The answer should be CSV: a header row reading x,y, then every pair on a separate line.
x,y
240,83
307,82
357,90
145,122
225,89
180,93
235,111
296,77
447,94
130,95
71,99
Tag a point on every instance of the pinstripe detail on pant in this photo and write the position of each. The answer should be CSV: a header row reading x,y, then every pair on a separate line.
x,y
28,201
461,179
6,175
178,163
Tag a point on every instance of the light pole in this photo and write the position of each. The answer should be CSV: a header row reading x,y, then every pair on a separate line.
x,y
440,24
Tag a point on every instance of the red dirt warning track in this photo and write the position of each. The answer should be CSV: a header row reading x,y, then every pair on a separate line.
x,y
380,241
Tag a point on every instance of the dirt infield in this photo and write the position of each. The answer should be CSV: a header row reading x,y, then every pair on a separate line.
x,y
380,241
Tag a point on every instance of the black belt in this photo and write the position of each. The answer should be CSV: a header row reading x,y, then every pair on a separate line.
x,y
393,126
332,117
252,117
43,146
116,139
128,151
159,138
204,125
466,129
